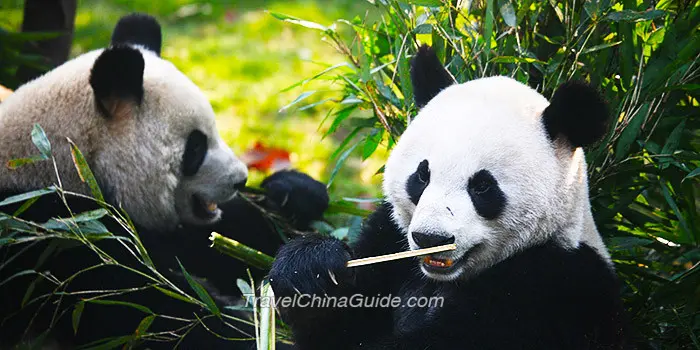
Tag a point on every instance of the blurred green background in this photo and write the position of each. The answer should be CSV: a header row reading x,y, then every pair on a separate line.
x,y
243,57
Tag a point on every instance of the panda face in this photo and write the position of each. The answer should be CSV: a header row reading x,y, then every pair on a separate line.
x,y
477,168
147,132
183,168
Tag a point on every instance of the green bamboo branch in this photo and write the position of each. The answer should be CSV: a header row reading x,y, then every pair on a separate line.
x,y
233,248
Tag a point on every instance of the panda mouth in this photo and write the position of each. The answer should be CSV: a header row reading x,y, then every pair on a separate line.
x,y
204,209
440,266
437,265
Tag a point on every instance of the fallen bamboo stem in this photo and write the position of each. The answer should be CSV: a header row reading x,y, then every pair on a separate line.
x,y
401,255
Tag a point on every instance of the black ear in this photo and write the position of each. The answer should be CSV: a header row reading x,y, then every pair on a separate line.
x,y
428,76
117,79
138,29
578,113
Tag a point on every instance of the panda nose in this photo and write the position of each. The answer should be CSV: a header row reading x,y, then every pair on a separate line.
x,y
241,184
429,239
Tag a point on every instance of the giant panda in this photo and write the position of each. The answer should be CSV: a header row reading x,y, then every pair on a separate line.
x,y
150,138
493,167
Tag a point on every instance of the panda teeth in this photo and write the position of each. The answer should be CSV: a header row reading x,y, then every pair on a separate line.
x,y
429,260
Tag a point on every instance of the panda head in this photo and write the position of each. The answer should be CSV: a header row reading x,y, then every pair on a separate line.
x,y
148,133
493,167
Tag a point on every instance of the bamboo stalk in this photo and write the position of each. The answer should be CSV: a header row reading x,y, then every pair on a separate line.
x,y
240,251
401,255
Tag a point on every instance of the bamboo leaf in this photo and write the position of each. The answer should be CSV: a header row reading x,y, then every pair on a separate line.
x,y
557,11
121,303
488,27
174,295
692,174
107,343
16,163
6,239
623,243
426,3
201,292
26,205
323,72
244,287
41,141
298,21
340,116
340,233
90,215
634,16
425,28
28,195
674,206
144,325
18,274
671,145
508,13
340,162
300,98
371,143
365,75
343,207
404,70
629,134
600,47
84,171
75,317
321,227
345,142
512,59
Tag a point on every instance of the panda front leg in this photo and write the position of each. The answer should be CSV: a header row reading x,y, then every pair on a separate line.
x,y
297,196
326,303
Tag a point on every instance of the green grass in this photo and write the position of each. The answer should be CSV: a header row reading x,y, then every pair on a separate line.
x,y
242,57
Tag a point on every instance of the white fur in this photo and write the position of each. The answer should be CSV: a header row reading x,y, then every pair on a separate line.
x,y
139,157
494,124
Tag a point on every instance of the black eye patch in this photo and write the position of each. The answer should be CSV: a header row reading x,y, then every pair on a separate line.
x,y
488,199
418,181
195,152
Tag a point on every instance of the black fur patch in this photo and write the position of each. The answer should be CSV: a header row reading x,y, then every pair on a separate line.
x,y
578,113
488,199
428,76
117,74
138,29
195,152
418,181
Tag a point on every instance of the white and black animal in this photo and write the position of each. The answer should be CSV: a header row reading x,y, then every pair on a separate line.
x,y
149,135
495,168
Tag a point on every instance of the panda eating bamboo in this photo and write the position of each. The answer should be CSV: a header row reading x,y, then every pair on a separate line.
x,y
150,138
493,167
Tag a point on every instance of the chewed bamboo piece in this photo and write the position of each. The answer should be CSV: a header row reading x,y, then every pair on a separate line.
x,y
401,255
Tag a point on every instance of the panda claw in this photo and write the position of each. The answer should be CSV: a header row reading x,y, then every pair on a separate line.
x,y
332,275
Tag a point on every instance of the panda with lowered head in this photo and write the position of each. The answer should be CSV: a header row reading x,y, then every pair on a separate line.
x,y
495,168
149,136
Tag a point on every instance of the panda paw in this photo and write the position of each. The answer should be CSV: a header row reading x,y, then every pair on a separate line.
x,y
312,265
297,196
